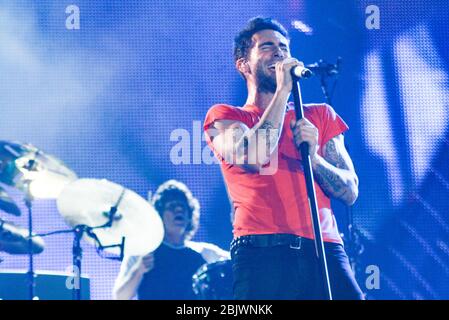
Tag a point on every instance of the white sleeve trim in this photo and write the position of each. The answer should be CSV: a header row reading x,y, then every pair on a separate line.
x,y
210,252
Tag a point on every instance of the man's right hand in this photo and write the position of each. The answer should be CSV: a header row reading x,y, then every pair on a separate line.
x,y
283,76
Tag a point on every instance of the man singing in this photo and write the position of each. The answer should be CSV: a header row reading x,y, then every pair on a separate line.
x,y
257,145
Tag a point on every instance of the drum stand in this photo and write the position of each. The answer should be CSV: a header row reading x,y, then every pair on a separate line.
x,y
31,275
79,231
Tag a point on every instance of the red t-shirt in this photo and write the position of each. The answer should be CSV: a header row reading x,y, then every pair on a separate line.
x,y
278,203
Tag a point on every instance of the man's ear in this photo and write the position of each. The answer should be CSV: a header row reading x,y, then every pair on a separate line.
x,y
242,66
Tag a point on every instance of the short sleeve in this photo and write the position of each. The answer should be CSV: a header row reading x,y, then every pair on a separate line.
x,y
332,123
224,112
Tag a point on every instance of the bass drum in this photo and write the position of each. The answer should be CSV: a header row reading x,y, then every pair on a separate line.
x,y
213,281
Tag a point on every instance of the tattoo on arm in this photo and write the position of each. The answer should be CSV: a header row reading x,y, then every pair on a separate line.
x,y
267,125
333,156
334,175
247,149
271,135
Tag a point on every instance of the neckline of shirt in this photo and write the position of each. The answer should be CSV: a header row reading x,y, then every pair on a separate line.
x,y
288,106
172,246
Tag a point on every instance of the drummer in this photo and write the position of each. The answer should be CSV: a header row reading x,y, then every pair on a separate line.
x,y
167,273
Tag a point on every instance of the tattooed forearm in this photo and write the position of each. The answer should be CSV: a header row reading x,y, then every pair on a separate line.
x,y
333,156
330,179
334,174
257,144
253,148
266,125
270,134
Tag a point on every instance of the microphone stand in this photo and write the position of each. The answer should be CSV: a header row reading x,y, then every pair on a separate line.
x,y
352,238
307,165
28,199
31,274
326,70
77,250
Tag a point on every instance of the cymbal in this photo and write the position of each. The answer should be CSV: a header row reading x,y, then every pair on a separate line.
x,y
7,204
88,202
40,175
14,239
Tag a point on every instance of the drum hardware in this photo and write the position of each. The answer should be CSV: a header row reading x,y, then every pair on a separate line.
x,y
79,232
14,239
213,281
7,204
115,219
118,211
39,176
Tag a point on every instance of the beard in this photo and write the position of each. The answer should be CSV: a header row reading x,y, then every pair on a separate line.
x,y
265,82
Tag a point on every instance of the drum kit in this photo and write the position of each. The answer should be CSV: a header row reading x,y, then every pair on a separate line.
x,y
114,219
213,281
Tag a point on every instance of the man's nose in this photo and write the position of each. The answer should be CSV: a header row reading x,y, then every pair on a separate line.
x,y
279,53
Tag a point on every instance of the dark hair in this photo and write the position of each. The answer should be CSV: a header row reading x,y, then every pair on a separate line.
x,y
243,42
172,190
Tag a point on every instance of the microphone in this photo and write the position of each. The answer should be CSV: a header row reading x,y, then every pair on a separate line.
x,y
301,72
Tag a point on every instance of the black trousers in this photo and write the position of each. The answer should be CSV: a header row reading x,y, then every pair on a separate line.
x,y
280,272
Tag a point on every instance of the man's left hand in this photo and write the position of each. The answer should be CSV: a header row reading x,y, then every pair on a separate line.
x,y
304,131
